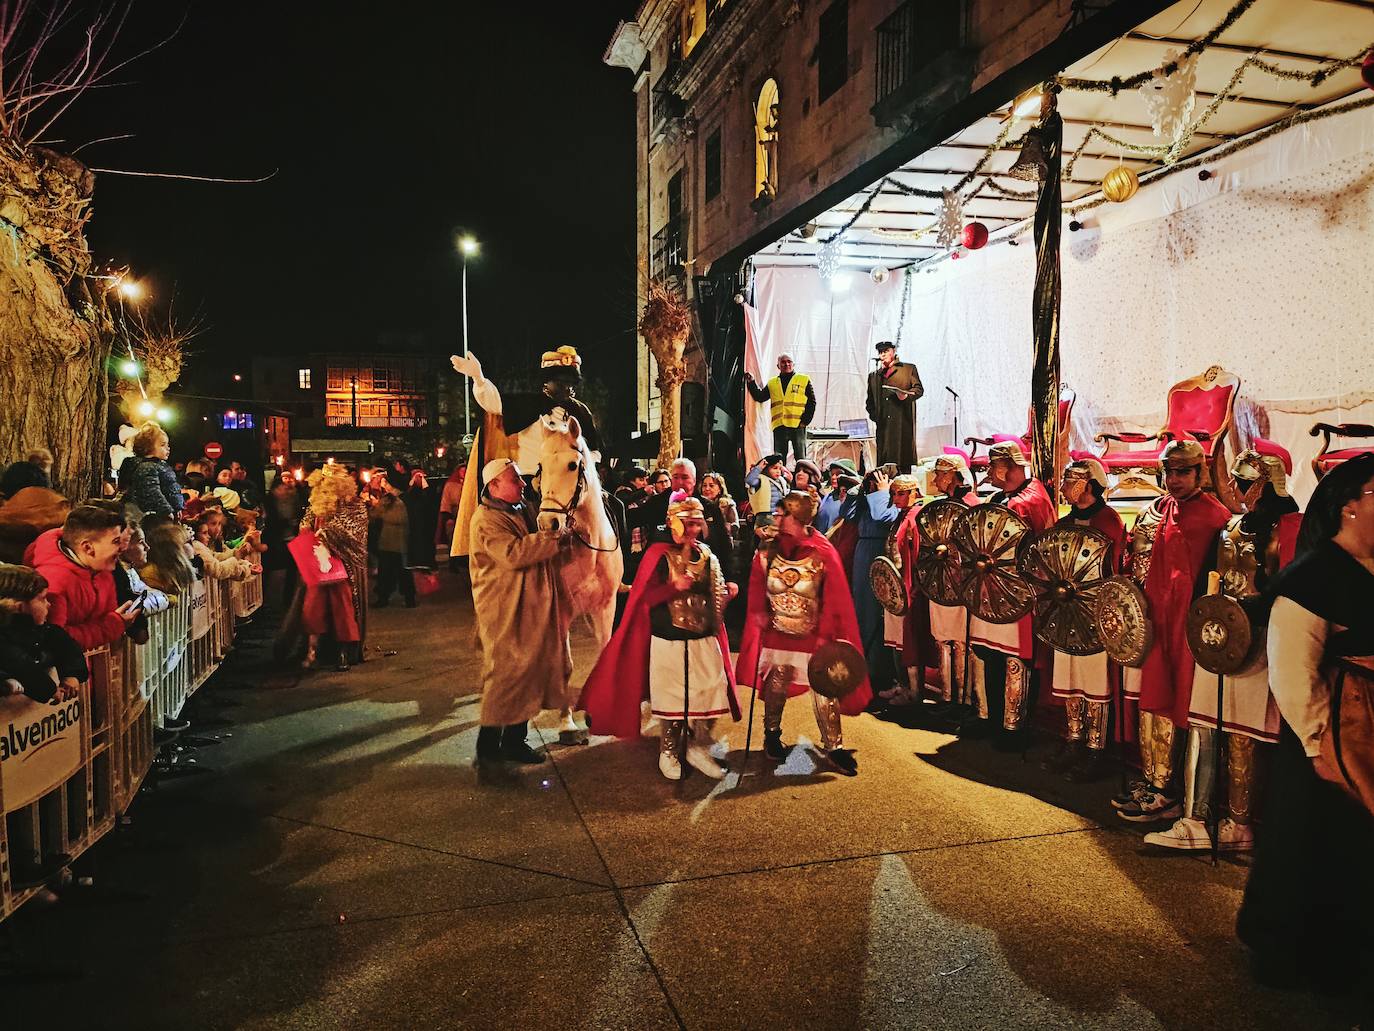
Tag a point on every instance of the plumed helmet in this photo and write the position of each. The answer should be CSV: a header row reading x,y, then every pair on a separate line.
x,y
800,505
1181,455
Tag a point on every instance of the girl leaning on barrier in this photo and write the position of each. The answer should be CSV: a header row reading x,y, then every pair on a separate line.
x,y
37,659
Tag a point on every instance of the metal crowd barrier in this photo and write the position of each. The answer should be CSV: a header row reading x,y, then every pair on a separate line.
x,y
68,771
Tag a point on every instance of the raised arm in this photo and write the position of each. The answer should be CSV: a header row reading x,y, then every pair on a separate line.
x,y
484,391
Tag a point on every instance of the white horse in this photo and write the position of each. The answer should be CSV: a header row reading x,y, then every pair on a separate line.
x,y
570,499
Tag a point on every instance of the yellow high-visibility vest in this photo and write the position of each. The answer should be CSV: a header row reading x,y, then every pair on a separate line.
x,y
787,407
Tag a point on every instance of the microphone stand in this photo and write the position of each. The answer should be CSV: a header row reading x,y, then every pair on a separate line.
x,y
955,394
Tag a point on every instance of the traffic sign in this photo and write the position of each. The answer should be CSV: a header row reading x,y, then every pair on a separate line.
x,y
213,450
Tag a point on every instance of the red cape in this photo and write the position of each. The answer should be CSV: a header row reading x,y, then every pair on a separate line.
x,y
1185,539
837,620
620,679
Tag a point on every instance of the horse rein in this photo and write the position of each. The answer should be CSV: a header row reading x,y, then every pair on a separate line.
x,y
567,510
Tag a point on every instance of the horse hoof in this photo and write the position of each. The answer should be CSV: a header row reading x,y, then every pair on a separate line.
x,y
577,736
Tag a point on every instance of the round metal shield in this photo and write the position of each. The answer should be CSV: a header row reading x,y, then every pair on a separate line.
x,y
937,559
1220,635
836,668
989,539
1064,566
888,586
1123,620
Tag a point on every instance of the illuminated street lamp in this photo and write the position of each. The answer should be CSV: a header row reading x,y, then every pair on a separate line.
x,y
128,367
467,247
164,415
130,290
146,409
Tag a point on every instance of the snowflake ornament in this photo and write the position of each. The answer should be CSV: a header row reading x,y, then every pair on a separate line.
x,y
1170,98
828,258
949,231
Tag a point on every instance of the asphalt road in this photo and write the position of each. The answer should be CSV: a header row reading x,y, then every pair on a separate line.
x,y
340,864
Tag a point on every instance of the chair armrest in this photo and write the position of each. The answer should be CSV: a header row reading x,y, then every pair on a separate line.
x,y
985,441
1127,438
1343,429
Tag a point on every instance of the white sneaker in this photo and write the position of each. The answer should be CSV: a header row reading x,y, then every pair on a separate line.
x,y
1186,834
669,766
1235,837
701,760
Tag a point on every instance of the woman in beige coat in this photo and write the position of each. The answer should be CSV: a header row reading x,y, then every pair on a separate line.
x,y
517,599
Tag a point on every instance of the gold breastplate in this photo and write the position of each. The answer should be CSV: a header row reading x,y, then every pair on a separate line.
x,y
696,609
1239,560
1143,542
794,593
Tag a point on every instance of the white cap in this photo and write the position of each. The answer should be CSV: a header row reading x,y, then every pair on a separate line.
x,y
495,468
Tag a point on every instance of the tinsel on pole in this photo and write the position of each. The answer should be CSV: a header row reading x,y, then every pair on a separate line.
x,y
1045,314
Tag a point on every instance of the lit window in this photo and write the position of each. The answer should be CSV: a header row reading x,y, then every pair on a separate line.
x,y
232,420
303,377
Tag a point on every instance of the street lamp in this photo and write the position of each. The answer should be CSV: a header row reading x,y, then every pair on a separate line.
x,y
467,247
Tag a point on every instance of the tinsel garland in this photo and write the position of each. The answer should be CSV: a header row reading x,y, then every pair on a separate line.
x,y
906,301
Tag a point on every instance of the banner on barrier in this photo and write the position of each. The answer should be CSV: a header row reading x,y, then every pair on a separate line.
x,y
40,747
200,609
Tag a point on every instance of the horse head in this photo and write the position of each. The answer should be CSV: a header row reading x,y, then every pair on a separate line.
x,y
566,478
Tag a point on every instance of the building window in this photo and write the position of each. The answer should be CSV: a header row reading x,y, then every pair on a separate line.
x,y
832,50
303,378
232,420
711,174
766,142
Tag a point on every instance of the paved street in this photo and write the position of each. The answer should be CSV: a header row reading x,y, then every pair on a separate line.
x,y
343,867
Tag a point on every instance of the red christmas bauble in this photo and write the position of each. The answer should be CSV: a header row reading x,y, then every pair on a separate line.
x,y
975,235
1367,69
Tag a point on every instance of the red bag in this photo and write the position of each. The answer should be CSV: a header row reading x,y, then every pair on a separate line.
x,y
302,549
426,583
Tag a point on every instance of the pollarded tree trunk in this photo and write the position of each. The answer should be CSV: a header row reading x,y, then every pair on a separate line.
x,y
55,331
671,375
667,326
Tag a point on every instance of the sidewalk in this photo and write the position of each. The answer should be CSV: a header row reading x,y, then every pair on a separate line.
x,y
343,867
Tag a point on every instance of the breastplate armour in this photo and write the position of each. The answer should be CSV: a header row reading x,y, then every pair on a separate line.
x,y
1143,542
694,611
794,594
1242,557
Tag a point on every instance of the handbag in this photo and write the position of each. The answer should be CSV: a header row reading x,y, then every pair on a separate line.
x,y
309,562
1346,758
426,582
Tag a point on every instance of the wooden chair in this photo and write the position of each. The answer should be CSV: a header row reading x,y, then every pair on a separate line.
x,y
1327,459
1202,408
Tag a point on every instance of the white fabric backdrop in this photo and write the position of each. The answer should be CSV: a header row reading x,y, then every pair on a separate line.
x,y
1266,269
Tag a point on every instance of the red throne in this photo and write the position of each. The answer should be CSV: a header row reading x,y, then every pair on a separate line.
x,y
1328,459
1202,408
978,464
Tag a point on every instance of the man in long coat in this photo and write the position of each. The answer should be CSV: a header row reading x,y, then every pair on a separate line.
x,y
516,597
893,389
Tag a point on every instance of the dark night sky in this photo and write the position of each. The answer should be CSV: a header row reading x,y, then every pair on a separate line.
x,y
392,126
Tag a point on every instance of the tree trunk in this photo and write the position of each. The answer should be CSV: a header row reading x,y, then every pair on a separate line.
x,y
54,333
669,424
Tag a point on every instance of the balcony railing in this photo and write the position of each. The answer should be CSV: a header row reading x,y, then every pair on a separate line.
x,y
919,54
669,253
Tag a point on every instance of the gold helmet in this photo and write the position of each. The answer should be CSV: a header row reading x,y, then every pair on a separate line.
x,y
682,508
800,505
1251,465
906,482
1087,469
952,464
1181,455
1007,450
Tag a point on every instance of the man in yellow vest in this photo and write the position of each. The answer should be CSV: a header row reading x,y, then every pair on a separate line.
x,y
792,402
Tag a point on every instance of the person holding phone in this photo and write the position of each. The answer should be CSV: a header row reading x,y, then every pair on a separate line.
x,y
78,561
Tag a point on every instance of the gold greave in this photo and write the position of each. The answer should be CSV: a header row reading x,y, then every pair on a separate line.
x,y
976,692
775,696
1096,719
951,672
670,740
1240,776
1163,744
828,721
1074,711
1017,693
1146,740
1191,766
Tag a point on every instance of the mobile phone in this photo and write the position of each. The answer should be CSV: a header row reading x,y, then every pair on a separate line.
x,y
140,599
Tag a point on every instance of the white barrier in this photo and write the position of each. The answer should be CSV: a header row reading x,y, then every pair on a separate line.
x,y
51,806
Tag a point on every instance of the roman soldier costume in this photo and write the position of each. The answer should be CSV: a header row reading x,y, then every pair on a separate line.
x,y
949,623
1012,660
671,648
1087,683
1247,556
798,600
1183,541
908,633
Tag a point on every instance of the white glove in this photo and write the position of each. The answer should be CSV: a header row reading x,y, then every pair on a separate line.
x,y
467,365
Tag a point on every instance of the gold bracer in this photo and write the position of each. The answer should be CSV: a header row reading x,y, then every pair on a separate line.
x,y
1239,559
1143,542
794,594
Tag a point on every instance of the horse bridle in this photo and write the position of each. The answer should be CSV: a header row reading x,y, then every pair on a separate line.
x,y
567,510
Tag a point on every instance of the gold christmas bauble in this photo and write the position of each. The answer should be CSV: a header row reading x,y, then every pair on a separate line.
x,y
1120,185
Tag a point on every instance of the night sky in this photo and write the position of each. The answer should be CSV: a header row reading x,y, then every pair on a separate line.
x,y
391,127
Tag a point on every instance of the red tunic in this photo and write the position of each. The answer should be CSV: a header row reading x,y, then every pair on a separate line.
x,y
1031,501
1185,539
620,679
836,622
917,644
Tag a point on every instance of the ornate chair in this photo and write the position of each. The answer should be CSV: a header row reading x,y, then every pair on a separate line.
x,y
978,464
1202,408
1327,459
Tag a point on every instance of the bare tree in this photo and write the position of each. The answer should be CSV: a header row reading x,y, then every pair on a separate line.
x,y
667,326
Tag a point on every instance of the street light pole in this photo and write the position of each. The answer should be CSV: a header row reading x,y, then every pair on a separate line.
x,y
467,246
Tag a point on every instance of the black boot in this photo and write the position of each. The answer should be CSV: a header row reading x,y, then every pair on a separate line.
x,y
489,744
514,748
1068,754
1092,766
773,746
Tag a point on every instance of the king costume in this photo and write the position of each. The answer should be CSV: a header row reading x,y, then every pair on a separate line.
x,y
670,647
798,600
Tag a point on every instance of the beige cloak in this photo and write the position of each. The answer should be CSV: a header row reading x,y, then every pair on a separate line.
x,y
522,617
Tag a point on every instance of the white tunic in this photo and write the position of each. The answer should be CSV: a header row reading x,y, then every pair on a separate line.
x,y
705,690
